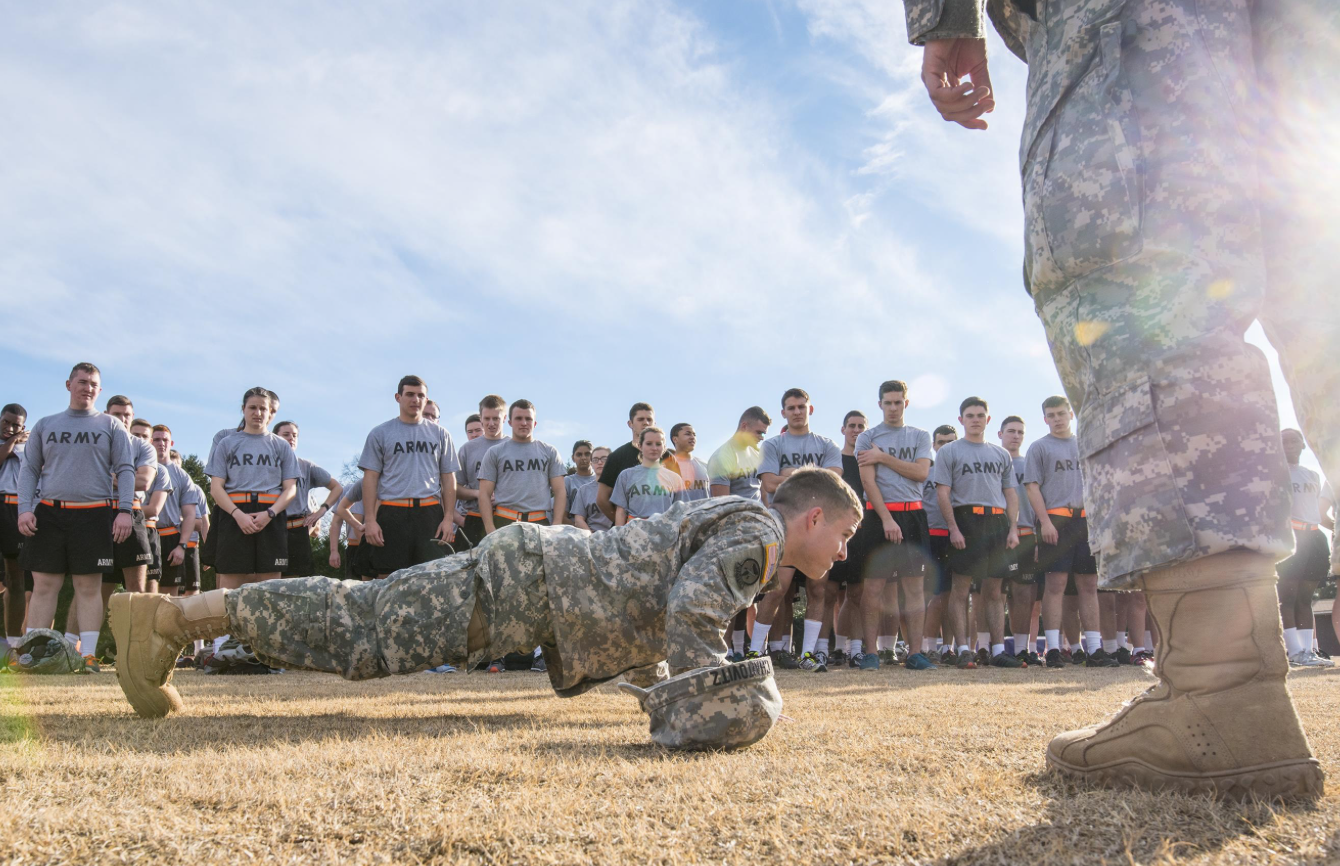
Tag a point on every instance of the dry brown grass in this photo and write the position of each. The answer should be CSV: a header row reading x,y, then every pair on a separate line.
x,y
892,767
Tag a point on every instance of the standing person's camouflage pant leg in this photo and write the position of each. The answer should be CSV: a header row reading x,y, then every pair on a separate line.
x,y
1147,244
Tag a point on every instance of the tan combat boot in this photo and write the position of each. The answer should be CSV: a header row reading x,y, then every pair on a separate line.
x,y
150,632
1220,721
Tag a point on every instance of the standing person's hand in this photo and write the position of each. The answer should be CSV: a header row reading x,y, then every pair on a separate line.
x,y
944,65
121,527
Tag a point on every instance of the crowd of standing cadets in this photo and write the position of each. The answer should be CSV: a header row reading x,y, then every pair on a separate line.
x,y
971,552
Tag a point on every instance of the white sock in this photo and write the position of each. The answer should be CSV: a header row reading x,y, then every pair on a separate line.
x,y
737,642
983,639
821,646
1020,643
71,638
1291,641
888,641
1109,646
1053,638
842,642
13,641
1149,641
777,645
1304,639
88,642
856,644
786,642
812,629
965,648
538,652
1121,638
927,644
759,642
218,642
197,647
1093,641
996,648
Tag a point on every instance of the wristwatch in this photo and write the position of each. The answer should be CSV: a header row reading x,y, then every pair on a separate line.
x,y
271,512
124,510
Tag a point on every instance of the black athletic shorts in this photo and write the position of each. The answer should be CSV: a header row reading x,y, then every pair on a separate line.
x,y
265,552
155,571
939,580
1311,560
189,580
984,555
170,574
472,530
299,552
407,535
133,552
1071,552
848,572
70,540
1023,559
11,540
884,559
207,550
352,550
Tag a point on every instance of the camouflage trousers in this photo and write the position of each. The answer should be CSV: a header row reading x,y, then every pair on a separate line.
x,y
1179,183
458,610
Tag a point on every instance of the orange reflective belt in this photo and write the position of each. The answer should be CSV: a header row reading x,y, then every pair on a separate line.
x,y
899,506
520,516
983,509
942,533
296,522
192,545
56,503
1025,531
254,498
135,504
11,499
474,514
410,503
1066,512
1303,527
353,542
168,530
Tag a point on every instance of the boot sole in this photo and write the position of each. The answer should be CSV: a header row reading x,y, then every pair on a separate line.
x,y
149,701
1283,780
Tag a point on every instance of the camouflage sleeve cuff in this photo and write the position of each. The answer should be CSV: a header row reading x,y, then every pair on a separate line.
x,y
944,19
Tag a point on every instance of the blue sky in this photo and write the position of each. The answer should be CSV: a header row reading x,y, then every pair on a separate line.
x,y
584,204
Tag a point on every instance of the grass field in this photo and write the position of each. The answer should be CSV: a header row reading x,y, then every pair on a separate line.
x,y
888,767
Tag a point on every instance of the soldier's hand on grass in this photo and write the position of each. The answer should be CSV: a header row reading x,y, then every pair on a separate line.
x,y
945,63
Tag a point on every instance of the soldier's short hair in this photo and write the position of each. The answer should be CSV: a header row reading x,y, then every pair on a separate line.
x,y
142,422
282,424
118,400
793,393
892,385
945,430
755,415
679,428
579,443
14,409
410,381
519,404
1011,419
640,407
973,401
1055,401
85,367
811,486
162,428
855,413
492,401
473,419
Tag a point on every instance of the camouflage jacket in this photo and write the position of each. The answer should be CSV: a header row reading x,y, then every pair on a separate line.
x,y
659,589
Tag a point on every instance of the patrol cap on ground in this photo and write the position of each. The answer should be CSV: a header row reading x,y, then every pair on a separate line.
x,y
44,651
727,707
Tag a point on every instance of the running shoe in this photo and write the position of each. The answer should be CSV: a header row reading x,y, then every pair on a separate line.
x,y
1054,659
1100,658
919,662
1305,659
983,658
497,666
1143,658
1325,660
1005,660
91,665
888,656
1030,659
1122,655
753,654
839,658
810,662
948,657
538,666
869,661
442,669
965,662
1078,657
783,660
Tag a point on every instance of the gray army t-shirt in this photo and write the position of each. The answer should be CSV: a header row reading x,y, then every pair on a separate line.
x,y
1053,464
9,470
905,443
574,482
930,501
309,475
585,505
1305,495
253,463
697,482
787,451
646,491
471,457
411,459
521,473
735,465
1025,508
977,473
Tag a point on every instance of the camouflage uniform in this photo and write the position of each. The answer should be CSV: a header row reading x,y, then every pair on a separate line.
x,y
599,604
1171,156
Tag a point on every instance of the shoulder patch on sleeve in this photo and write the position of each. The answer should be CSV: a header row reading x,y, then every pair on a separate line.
x,y
769,561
